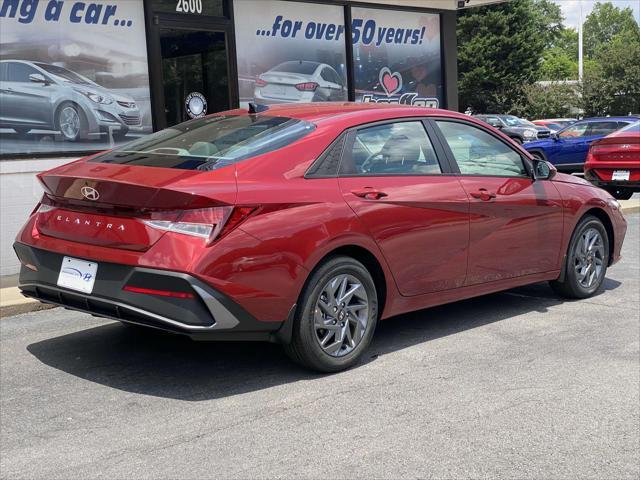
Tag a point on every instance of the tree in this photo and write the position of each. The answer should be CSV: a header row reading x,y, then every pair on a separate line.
x,y
499,51
612,81
605,22
556,99
557,65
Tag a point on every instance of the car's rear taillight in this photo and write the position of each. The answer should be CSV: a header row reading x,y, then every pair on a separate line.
x,y
260,82
307,86
207,223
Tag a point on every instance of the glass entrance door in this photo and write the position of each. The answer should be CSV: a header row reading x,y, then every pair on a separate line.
x,y
193,62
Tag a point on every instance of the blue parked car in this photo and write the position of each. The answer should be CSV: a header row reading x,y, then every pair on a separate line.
x,y
567,149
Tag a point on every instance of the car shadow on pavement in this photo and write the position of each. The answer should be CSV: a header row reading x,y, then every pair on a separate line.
x,y
172,366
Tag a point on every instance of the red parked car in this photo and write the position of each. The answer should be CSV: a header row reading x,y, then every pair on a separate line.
x,y
307,224
613,162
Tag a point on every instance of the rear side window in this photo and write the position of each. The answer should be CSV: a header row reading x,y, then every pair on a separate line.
x,y
602,128
401,148
478,153
631,128
210,143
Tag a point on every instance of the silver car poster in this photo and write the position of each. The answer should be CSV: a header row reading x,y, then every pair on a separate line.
x,y
73,75
289,52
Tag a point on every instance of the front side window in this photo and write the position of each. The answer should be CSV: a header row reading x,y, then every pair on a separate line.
x,y
19,72
210,143
401,148
478,153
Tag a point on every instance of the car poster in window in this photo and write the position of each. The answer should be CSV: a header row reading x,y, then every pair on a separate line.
x,y
290,52
73,75
396,57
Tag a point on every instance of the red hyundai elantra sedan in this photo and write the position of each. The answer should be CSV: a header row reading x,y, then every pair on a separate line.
x,y
307,224
613,162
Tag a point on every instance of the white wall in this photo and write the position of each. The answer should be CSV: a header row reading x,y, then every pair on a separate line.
x,y
20,190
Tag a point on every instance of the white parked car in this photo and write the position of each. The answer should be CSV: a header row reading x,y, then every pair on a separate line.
x,y
300,81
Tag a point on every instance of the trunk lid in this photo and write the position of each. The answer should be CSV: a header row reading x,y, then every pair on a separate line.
x,y
107,205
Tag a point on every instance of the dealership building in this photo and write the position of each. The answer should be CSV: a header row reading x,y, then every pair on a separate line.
x,y
78,77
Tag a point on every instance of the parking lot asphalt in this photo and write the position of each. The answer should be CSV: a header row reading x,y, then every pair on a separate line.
x,y
517,384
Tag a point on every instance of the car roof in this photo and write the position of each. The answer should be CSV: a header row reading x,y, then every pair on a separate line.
x,y
615,119
367,112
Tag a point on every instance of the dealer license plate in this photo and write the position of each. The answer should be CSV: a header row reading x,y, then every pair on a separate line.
x,y
620,175
77,274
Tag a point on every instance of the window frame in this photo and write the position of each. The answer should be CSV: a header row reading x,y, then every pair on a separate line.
x,y
526,161
441,158
349,136
10,65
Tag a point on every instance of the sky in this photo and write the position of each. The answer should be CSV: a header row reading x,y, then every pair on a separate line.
x,y
571,9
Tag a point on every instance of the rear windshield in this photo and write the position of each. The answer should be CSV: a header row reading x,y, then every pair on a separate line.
x,y
209,143
631,128
306,68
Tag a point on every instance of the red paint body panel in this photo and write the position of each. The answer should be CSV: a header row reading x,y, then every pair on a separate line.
x,y
522,209
421,227
433,240
617,151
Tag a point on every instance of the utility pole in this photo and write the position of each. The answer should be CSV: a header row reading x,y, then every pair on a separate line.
x,y
580,59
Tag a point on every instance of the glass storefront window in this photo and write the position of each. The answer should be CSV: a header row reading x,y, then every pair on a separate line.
x,y
74,82
290,52
396,57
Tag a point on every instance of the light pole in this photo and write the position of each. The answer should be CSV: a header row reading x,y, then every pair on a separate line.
x,y
580,59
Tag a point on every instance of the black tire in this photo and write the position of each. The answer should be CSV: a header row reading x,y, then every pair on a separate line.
x,y
570,286
620,193
71,134
305,347
120,134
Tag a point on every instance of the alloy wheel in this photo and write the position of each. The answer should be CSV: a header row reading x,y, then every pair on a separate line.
x,y
69,122
589,257
341,315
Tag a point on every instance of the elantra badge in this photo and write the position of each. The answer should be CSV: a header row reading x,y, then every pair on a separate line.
x,y
90,193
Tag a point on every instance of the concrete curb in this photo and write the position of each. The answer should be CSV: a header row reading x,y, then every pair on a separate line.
x,y
13,303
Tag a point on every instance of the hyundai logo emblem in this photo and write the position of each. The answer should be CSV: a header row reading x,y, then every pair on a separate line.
x,y
90,193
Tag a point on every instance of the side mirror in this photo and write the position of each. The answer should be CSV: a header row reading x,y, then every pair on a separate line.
x,y
496,125
38,78
543,170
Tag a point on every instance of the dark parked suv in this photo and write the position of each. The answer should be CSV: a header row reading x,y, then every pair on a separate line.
x,y
516,128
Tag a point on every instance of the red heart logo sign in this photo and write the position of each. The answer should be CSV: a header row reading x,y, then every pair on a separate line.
x,y
391,82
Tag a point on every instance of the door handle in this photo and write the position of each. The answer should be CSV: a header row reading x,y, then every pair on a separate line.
x,y
483,194
369,193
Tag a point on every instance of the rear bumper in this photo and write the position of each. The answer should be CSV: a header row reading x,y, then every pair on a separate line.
x,y
208,315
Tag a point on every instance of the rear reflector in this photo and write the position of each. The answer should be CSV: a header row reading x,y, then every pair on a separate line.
x,y
161,293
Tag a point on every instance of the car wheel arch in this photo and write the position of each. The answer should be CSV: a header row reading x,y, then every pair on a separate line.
x,y
79,107
371,262
539,152
602,215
